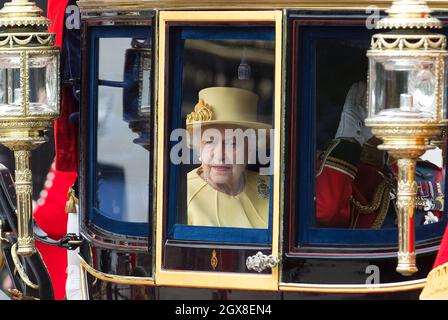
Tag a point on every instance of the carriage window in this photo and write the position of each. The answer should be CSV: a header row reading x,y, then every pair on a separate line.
x,y
354,200
220,139
119,113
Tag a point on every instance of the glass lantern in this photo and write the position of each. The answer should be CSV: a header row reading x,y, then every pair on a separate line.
x,y
29,99
42,85
407,87
406,101
137,90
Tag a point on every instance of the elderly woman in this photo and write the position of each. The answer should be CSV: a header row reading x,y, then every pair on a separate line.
x,y
222,192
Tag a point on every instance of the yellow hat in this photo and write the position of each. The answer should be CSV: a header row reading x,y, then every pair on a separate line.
x,y
226,105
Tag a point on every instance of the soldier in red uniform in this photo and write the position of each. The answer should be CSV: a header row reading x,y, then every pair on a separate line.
x,y
356,182
50,213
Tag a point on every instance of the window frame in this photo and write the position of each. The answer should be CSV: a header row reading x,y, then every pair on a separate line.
x,y
183,232
97,229
300,239
201,277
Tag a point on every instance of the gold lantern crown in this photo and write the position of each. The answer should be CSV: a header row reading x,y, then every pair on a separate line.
x,y
22,24
404,16
409,14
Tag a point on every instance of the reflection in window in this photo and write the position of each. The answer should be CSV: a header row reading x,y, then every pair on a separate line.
x,y
355,182
227,108
122,160
112,52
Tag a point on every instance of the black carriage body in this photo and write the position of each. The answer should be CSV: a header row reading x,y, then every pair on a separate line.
x,y
315,263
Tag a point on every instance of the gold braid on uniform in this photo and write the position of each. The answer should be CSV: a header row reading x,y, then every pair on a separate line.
x,y
380,202
324,155
341,165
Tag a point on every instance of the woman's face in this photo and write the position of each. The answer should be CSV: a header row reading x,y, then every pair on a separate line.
x,y
224,159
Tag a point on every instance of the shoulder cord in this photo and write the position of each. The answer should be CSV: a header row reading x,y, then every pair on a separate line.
x,y
382,193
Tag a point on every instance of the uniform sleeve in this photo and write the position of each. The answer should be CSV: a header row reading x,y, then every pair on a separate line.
x,y
334,183
50,215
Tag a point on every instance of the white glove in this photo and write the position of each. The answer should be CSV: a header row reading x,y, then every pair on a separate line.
x,y
73,289
353,114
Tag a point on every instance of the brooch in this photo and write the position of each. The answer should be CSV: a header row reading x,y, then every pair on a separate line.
x,y
263,189
202,112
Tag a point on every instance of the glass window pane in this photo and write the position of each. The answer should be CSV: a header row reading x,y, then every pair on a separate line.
x,y
112,52
43,78
356,183
10,92
227,108
122,165
404,87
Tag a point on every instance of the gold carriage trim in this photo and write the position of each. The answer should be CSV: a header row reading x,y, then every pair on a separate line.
x,y
436,287
202,112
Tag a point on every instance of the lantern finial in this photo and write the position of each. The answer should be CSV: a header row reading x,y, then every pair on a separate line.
x,y
409,14
22,13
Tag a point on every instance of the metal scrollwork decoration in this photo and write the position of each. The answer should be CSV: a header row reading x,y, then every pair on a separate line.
x,y
31,103
261,262
19,268
411,117
214,260
202,112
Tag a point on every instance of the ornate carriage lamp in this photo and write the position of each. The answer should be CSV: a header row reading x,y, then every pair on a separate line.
x,y
29,98
406,101
136,93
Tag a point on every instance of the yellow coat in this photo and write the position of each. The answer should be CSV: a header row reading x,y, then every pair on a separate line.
x,y
209,207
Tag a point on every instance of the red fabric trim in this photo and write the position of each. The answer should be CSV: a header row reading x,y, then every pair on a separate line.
x,y
50,215
55,259
442,256
66,134
56,12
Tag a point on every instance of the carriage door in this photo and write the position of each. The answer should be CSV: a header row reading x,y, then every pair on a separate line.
x,y
217,166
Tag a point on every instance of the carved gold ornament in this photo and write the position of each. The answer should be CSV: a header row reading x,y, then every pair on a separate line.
x,y
19,268
409,14
23,37
202,112
406,41
214,260
70,206
18,295
407,136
